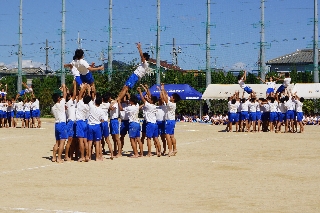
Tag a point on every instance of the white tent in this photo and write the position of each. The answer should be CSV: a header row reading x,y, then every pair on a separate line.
x,y
223,91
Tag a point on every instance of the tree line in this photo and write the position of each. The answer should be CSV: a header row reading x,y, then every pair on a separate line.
x,y
45,86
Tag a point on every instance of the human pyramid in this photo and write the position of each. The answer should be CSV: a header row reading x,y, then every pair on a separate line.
x,y
81,117
280,107
24,107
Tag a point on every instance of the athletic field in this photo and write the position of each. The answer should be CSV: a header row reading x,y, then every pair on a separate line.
x,y
213,171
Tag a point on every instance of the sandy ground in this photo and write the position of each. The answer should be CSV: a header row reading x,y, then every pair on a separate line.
x,y
212,172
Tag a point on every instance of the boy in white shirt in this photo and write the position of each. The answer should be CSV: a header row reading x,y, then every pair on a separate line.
x,y
134,125
114,128
140,72
151,119
81,121
285,84
59,113
105,105
170,119
299,103
241,81
19,112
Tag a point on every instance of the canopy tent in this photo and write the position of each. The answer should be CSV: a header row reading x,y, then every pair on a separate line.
x,y
223,91
185,91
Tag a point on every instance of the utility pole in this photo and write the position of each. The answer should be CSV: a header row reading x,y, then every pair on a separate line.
x,y
79,41
47,48
175,53
63,31
19,83
110,42
158,43
262,44
315,45
208,71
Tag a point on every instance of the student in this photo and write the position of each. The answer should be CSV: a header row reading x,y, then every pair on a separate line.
x,y
96,115
252,114
290,106
233,117
35,111
281,115
285,84
134,124
270,85
105,105
241,81
299,103
71,120
140,71
83,67
10,113
3,112
161,124
151,119
27,112
170,119
25,91
81,122
124,125
58,111
19,112
273,104
244,117
75,71
114,128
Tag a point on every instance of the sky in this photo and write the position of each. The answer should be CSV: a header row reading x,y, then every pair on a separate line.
x,y
235,30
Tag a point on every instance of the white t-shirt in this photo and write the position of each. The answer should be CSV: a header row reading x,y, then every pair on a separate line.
x,y
59,112
253,106
151,111
233,108
27,106
271,84
244,106
74,70
170,113
298,106
81,65
19,106
141,69
273,106
35,105
123,114
133,112
115,112
241,83
290,105
105,107
160,113
71,109
96,114
286,82
82,111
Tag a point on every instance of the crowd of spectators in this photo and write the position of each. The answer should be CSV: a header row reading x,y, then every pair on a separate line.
x,y
214,119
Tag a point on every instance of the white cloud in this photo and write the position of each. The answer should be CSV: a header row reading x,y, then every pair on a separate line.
x,y
1,64
27,64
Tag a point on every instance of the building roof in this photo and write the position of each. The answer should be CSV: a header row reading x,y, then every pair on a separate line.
x,y
26,71
304,56
165,65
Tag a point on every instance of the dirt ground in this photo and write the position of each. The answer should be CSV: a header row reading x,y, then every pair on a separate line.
x,y
213,172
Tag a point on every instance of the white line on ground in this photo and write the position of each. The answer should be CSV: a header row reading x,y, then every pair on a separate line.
x,y
37,210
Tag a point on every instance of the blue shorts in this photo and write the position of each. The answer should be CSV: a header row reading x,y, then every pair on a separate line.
x,y
169,128
281,89
281,117
114,126
244,116
20,114
71,127
144,126
10,114
94,132
273,116
105,129
3,114
22,92
290,115
124,127
299,116
248,89
60,131
161,127
27,115
270,90
132,80
233,117
78,80
258,115
87,78
81,129
152,130
252,116
35,113
134,130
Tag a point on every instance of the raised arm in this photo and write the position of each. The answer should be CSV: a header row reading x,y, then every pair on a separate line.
x,y
141,95
244,77
164,93
143,60
261,80
74,93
